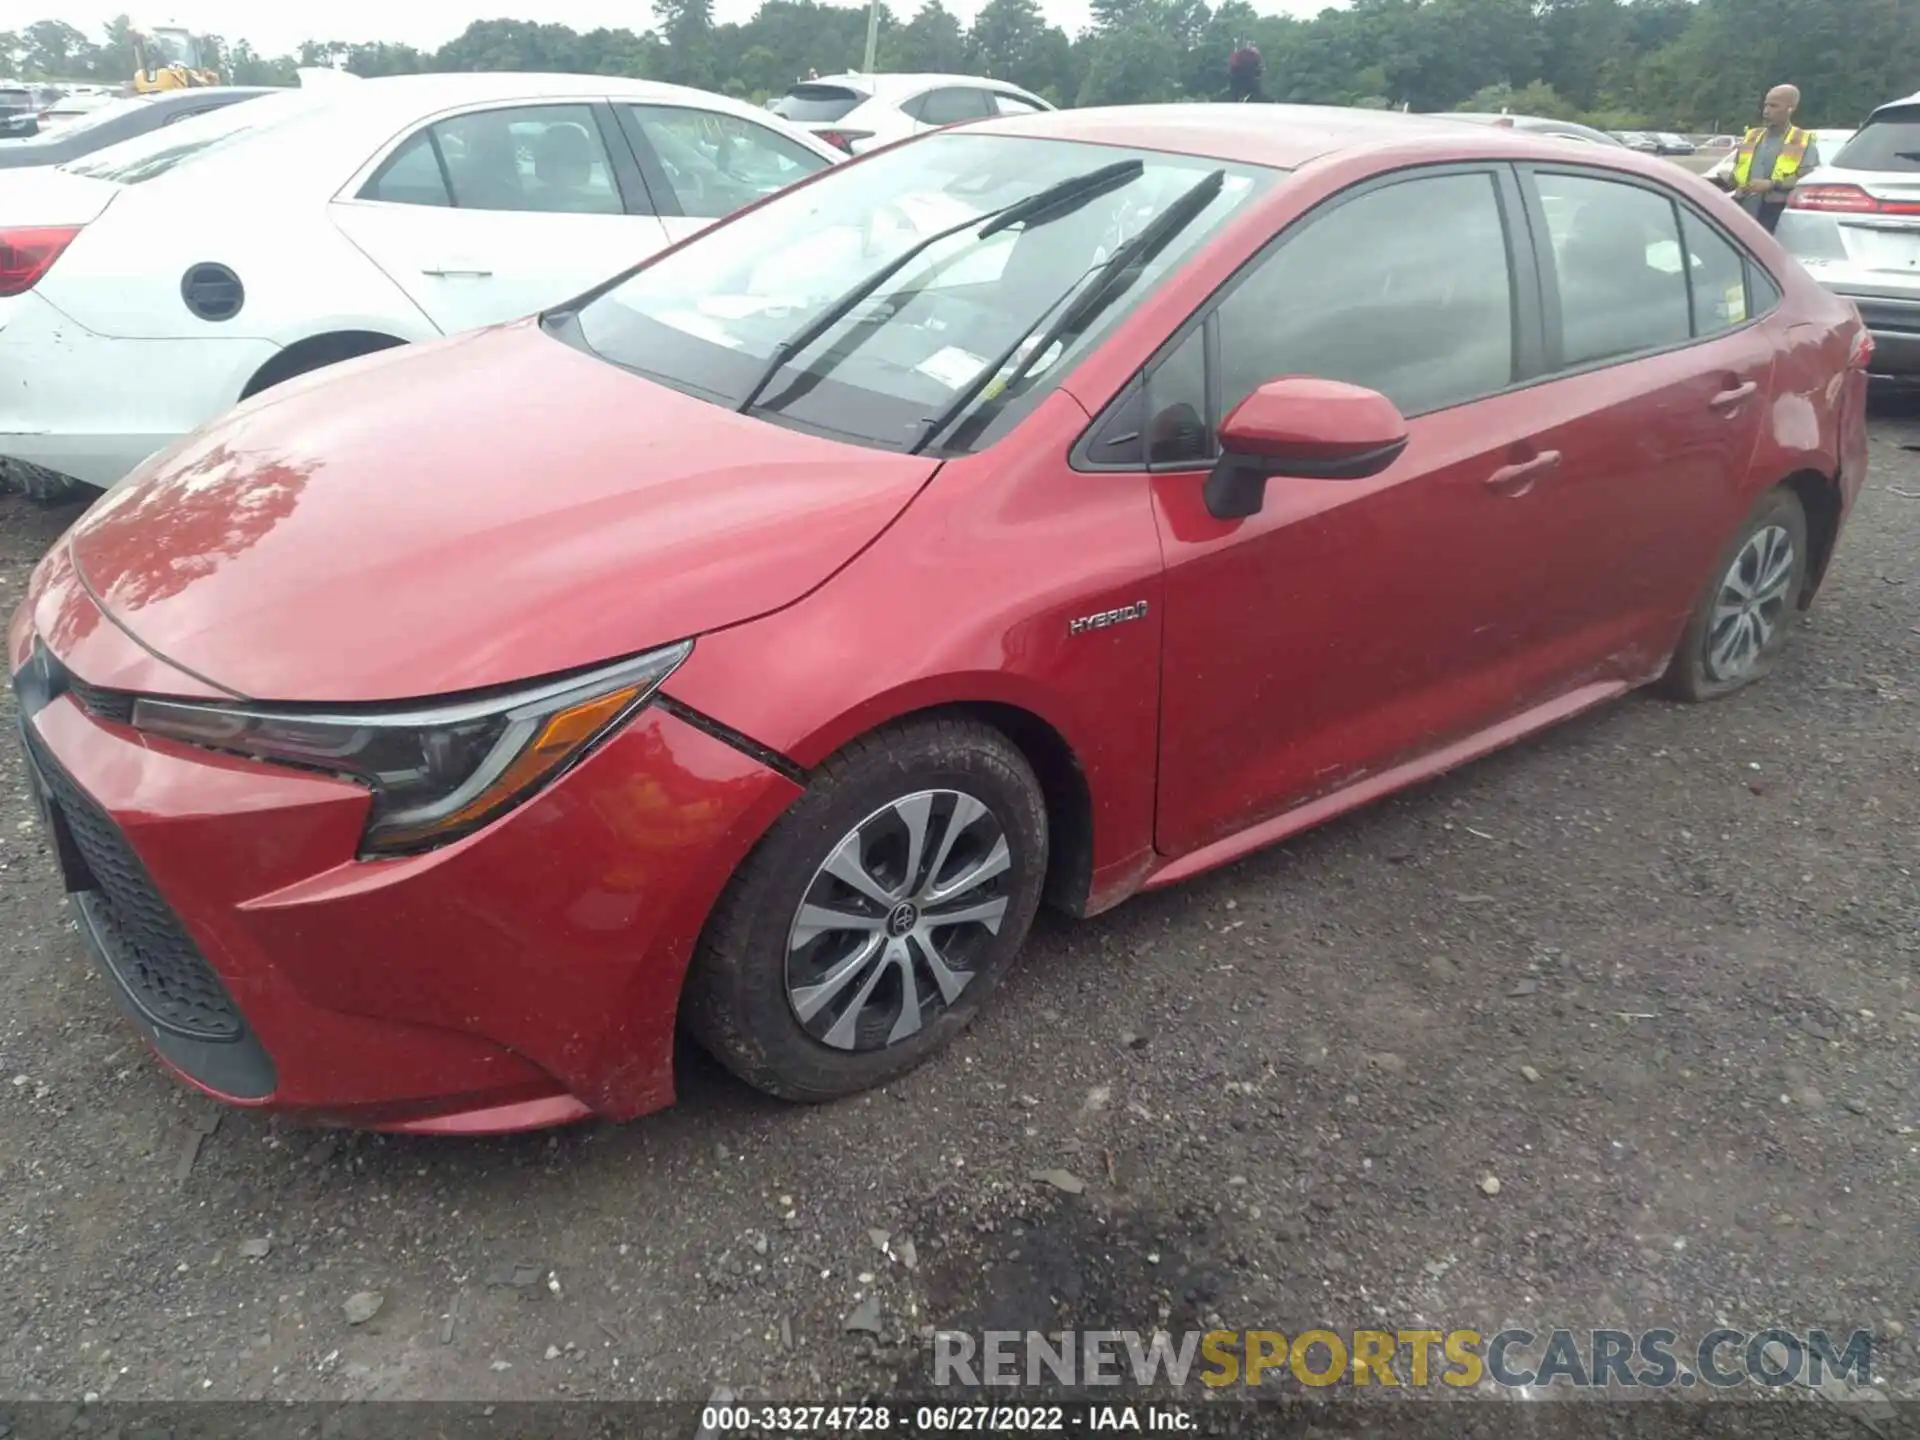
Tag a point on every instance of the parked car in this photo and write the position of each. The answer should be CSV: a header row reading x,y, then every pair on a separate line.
x,y
1537,125
1668,143
19,112
760,639
856,113
63,111
1718,144
152,284
1855,224
1832,142
119,120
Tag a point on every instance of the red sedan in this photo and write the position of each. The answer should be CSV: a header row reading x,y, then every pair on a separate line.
x,y
1045,510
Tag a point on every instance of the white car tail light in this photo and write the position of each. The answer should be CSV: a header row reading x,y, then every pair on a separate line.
x,y
27,254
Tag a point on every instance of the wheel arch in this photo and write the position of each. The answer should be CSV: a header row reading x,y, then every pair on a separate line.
x,y
1065,788
316,352
1820,501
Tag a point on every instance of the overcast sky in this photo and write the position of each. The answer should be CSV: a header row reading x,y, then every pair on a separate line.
x,y
278,26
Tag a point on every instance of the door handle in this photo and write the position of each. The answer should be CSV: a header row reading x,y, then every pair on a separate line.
x,y
1728,399
454,272
1516,480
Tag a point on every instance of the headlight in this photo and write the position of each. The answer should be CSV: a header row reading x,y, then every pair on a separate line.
x,y
440,771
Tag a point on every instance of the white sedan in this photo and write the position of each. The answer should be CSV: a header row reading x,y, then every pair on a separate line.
x,y
150,286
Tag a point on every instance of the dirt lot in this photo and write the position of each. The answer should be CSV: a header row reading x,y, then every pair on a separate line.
x,y
1655,973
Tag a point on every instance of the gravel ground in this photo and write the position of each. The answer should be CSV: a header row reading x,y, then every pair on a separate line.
x,y
1653,972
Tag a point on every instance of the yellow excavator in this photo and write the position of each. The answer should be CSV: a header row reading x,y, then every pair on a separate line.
x,y
167,57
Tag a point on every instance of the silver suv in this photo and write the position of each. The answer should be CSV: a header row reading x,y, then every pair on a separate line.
x,y
1855,224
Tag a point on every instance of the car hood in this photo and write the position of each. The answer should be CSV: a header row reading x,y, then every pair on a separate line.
x,y
470,513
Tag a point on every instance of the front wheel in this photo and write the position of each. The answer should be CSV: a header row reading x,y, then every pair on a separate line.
x,y
876,917
1741,620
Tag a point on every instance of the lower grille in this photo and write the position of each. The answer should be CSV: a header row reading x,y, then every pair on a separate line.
x,y
154,959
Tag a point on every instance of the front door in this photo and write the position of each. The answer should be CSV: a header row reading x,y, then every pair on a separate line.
x,y
1353,625
494,214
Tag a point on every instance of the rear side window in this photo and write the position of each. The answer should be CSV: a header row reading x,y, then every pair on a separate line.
x,y
1617,262
1891,141
545,158
1013,104
1718,272
950,106
1406,290
816,104
412,177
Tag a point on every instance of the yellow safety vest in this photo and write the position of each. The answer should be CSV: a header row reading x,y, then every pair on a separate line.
x,y
1785,168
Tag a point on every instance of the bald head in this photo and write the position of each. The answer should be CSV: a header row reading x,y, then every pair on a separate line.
x,y
1780,104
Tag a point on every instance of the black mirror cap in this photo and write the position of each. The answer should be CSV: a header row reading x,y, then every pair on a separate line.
x,y
1237,485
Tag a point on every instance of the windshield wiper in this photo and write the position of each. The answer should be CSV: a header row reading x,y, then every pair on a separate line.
x,y
1110,282
1049,204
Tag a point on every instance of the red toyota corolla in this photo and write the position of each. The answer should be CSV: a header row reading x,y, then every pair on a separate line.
x,y
1048,510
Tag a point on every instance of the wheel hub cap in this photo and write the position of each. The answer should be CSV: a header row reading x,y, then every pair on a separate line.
x,y
895,922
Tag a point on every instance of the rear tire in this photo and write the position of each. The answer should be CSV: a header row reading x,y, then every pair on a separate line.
x,y
1742,619
826,968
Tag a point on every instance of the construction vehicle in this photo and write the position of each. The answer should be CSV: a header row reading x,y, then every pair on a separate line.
x,y
167,57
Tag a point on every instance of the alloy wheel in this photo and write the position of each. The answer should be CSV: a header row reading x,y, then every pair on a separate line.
x,y
1752,598
895,920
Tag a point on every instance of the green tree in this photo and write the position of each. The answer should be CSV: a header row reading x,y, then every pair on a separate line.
x,y
56,51
1139,65
933,41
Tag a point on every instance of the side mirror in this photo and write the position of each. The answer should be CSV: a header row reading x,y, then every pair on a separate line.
x,y
1306,429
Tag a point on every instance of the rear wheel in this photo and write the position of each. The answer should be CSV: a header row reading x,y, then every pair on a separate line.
x,y
873,921
1741,621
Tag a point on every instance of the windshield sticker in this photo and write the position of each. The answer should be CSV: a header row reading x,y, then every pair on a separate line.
x,y
952,366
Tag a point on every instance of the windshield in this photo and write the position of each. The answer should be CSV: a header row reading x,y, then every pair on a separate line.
x,y
1891,141
146,156
708,318
170,47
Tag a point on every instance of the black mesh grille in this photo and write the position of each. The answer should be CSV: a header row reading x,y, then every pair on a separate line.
x,y
160,966
114,705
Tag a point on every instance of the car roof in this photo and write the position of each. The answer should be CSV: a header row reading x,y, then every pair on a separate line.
x,y
1285,136
429,92
901,82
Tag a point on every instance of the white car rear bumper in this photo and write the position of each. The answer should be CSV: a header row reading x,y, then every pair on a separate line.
x,y
92,408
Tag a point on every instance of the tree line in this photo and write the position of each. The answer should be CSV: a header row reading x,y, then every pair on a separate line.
x,y
1669,64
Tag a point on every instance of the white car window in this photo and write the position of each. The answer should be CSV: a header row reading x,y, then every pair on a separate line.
x,y
545,158
718,163
411,177
951,106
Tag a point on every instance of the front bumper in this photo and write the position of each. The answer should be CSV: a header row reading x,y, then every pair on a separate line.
x,y
526,975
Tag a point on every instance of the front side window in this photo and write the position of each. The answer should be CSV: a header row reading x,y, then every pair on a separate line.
x,y
718,163
1406,290
957,324
1621,281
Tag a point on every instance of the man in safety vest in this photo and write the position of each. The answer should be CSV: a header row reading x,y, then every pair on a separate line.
x,y
1771,158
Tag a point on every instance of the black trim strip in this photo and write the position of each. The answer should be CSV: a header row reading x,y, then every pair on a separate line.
x,y
753,749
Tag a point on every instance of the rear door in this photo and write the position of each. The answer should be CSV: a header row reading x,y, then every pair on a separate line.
x,y
702,165
490,214
1662,353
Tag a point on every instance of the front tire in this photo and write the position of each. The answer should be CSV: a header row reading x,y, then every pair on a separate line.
x,y
876,917
1742,619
